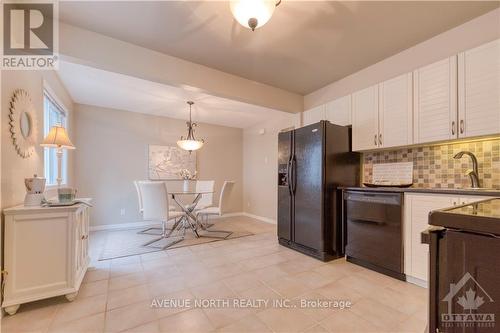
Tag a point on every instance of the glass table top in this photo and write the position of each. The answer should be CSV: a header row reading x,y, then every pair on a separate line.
x,y
190,192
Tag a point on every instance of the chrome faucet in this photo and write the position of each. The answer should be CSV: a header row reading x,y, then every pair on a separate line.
x,y
473,174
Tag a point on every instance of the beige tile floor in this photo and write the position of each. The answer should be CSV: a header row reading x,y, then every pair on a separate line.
x,y
117,295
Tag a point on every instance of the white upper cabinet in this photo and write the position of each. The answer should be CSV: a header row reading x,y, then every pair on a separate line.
x,y
479,90
395,112
314,115
365,128
435,101
339,111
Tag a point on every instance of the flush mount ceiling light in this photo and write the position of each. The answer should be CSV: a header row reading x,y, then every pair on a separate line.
x,y
253,14
190,143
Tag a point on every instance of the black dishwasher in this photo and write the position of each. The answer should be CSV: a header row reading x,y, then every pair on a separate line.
x,y
373,235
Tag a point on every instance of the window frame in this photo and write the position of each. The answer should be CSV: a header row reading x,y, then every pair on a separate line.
x,y
51,97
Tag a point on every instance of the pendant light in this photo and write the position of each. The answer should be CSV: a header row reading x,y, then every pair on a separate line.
x,y
190,143
253,14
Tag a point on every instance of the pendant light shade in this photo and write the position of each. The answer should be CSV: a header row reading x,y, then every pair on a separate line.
x,y
190,143
253,14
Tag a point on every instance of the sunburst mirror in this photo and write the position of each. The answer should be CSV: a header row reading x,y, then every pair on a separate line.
x,y
23,123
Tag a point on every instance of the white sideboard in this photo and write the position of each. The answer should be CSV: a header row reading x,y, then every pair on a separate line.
x,y
45,254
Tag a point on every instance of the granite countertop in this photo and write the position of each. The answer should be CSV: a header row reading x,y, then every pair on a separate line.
x,y
482,217
460,191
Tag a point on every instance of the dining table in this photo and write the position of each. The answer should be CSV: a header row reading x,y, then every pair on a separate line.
x,y
189,220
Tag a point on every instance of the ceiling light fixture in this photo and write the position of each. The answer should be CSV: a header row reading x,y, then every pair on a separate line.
x,y
253,14
190,143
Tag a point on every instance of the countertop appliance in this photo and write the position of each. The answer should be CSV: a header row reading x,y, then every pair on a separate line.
x,y
464,268
35,186
374,233
313,161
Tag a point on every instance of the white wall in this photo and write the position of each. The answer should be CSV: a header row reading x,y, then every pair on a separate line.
x,y
112,152
478,31
14,168
260,165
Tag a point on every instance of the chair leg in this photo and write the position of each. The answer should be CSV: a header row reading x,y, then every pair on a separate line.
x,y
212,232
148,231
170,241
207,224
176,223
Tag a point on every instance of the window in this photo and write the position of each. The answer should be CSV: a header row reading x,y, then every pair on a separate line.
x,y
53,115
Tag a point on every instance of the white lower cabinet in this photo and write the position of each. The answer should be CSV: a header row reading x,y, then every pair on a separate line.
x,y
45,254
416,215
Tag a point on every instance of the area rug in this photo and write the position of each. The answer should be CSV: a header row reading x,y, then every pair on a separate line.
x,y
125,243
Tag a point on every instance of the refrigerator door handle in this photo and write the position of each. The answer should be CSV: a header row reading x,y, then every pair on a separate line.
x,y
294,174
288,174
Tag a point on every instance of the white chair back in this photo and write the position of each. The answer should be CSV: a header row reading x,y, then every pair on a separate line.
x,y
225,194
206,200
139,197
154,197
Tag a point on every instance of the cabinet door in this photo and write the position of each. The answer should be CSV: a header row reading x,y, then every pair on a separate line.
x,y
479,87
80,243
417,209
338,112
435,101
85,233
395,114
365,119
314,115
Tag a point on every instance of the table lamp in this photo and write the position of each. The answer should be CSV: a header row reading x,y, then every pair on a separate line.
x,y
58,138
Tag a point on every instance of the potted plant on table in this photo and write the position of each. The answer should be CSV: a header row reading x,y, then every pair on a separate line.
x,y
187,176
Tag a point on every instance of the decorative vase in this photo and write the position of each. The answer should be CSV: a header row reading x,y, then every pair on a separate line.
x,y
185,185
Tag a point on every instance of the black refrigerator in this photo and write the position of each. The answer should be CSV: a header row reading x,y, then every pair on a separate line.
x,y
313,162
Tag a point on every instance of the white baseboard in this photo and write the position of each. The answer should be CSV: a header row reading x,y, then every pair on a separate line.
x,y
416,281
260,218
123,226
145,224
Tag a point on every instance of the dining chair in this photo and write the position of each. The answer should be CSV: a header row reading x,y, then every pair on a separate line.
x,y
207,199
220,210
154,201
148,231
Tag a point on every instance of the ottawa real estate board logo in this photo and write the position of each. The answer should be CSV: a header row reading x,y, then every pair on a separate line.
x,y
471,299
30,35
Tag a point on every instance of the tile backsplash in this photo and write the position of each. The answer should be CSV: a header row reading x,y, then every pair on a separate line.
x,y
434,166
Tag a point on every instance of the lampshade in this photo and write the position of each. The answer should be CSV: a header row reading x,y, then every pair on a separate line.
x,y
252,14
57,138
190,145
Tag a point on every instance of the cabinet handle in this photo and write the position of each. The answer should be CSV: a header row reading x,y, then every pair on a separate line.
x,y
453,127
380,139
375,139
462,127
83,237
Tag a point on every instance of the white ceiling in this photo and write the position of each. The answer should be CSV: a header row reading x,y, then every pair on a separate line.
x,y
305,46
92,86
